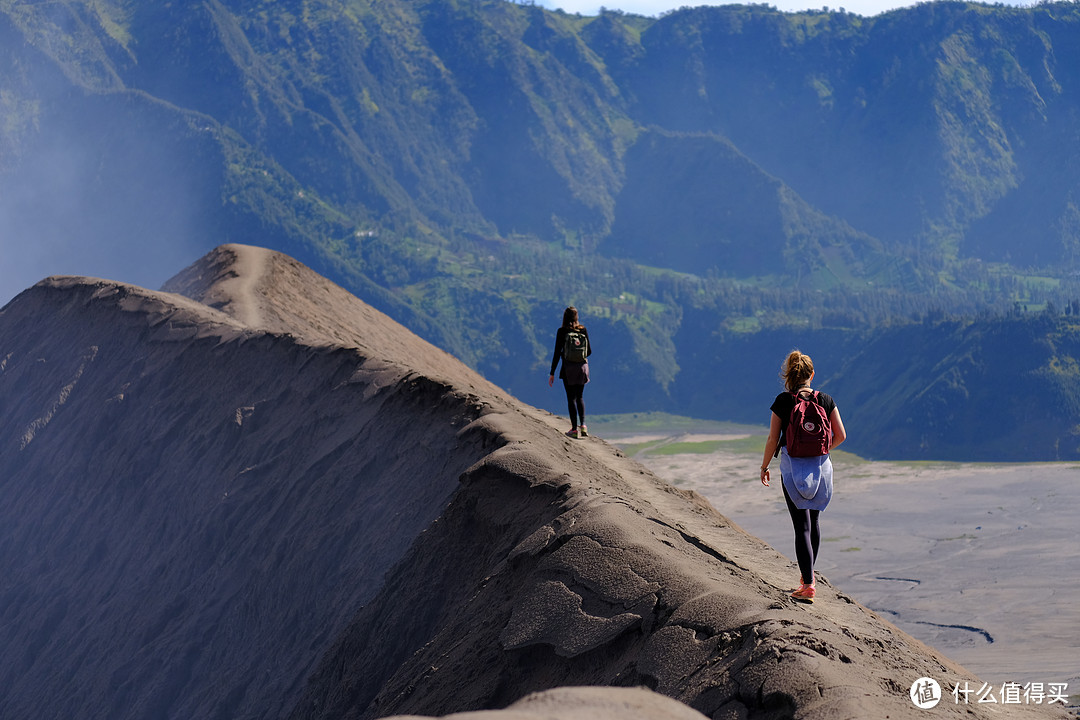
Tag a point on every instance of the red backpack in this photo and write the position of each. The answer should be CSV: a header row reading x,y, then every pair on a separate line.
x,y
809,432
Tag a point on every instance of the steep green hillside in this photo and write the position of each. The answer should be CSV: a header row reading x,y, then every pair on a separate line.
x,y
719,180
913,126
691,201
1001,389
994,390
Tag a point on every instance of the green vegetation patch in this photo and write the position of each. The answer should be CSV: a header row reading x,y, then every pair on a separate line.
x,y
687,448
633,449
657,422
752,445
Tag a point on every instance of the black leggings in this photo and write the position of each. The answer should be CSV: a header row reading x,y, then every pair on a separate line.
x,y
575,403
807,536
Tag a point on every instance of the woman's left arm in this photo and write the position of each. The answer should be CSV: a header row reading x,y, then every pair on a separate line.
x,y
839,434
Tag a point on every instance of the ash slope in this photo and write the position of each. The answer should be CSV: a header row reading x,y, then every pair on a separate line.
x,y
267,499
194,507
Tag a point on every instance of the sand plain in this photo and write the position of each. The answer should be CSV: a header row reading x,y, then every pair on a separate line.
x,y
980,561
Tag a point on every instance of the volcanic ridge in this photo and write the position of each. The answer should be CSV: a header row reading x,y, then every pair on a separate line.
x,y
251,495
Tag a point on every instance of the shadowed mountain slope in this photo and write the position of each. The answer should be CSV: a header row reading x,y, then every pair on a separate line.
x,y
269,500
193,508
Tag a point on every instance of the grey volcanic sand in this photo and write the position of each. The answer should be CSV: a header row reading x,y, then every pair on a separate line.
x,y
582,703
980,561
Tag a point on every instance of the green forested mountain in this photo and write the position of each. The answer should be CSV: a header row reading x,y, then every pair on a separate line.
x,y
896,195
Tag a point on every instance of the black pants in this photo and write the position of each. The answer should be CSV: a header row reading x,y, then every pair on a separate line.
x,y
807,537
575,403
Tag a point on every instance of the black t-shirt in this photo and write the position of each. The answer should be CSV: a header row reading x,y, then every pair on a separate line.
x,y
785,402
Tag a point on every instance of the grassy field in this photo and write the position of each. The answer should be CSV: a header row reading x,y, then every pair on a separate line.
x,y
663,434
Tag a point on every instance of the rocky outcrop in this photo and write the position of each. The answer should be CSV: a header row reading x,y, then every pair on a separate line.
x,y
255,496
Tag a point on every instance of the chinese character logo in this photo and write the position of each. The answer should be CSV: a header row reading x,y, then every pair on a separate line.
x,y
925,693
1012,693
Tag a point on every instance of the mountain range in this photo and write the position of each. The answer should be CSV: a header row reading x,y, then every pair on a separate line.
x,y
895,195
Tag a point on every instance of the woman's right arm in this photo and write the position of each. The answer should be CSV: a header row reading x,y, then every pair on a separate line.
x,y
555,356
770,447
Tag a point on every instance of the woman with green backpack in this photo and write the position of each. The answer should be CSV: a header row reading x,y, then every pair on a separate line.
x,y
573,348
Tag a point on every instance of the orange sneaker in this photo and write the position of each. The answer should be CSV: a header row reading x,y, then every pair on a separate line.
x,y
805,593
572,433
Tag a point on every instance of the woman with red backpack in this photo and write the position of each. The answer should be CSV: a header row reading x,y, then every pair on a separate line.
x,y
573,348
804,427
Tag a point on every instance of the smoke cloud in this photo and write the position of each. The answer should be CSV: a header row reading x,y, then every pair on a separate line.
x,y
127,197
